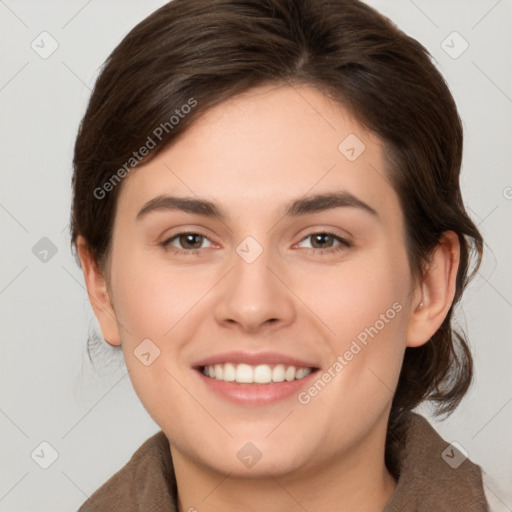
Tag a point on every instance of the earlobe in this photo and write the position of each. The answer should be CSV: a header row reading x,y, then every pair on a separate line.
x,y
98,294
434,295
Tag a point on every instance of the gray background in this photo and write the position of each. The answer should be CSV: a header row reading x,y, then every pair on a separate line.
x,y
93,421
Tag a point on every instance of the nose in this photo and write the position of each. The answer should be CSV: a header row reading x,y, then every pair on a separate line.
x,y
254,296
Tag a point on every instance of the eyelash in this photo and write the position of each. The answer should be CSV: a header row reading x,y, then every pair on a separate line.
x,y
343,243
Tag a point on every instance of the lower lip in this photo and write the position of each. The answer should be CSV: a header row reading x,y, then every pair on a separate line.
x,y
255,395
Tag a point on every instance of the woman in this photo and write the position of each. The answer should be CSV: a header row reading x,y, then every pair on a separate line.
x,y
268,217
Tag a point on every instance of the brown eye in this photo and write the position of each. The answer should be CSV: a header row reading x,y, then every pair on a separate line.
x,y
324,242
190,240
185,242
321,240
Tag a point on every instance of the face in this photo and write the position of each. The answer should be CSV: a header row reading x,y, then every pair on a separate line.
x,y
276,280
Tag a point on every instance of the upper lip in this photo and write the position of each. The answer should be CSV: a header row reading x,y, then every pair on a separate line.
x,y
254,359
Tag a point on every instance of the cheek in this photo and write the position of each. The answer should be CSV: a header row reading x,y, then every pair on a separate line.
x,y
153,303
358,295
363,306
158,307
152,298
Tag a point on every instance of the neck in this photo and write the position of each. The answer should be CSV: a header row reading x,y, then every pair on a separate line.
x,y
353,482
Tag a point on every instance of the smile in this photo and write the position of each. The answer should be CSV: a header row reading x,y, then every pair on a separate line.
x,y
257,374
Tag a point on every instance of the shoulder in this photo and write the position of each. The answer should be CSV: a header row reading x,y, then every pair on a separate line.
x,y
146,480
435,474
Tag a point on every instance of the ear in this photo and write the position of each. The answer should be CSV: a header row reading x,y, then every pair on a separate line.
x,y
433,297
98,294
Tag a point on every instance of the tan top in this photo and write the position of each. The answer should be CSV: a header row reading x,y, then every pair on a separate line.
x,y
434,477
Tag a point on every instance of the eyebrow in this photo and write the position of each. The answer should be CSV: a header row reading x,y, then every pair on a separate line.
x,y
309,204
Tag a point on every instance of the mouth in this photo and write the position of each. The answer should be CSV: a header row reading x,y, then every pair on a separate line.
x,y
243,373
254,380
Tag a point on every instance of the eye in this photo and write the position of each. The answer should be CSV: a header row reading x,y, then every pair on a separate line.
x,y
325,242
322,242
189,241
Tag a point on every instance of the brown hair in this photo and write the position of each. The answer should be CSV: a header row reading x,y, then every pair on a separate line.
x,y
209,51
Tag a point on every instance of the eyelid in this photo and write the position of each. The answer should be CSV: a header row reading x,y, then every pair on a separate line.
x,y
343,242
334,231
175,231
168,239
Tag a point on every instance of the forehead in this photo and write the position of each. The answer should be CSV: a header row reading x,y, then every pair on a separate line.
x,y
267,147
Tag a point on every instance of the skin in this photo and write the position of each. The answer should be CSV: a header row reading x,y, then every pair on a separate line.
x,y
252,155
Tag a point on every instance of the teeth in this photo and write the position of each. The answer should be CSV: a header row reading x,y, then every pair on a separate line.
x,y
229,373
260,374
219,371
278,373
244,374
